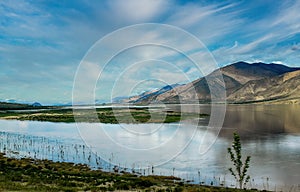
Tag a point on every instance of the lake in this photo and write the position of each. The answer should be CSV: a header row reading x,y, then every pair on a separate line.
x,y
192,150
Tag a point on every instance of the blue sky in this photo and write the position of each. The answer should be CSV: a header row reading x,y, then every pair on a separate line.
x,y
43,42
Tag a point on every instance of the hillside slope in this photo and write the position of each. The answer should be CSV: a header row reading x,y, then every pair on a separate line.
x,y
283,87
244,82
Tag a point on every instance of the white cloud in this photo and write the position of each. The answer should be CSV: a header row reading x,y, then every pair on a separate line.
x,y
278,62
138,10
250,46
190,14
288,17
140,76
209,23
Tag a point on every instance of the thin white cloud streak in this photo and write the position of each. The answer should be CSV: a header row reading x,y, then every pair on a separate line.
x,y
250,47
288,18
138,10
208,23
146,75
260,38
283,24
281,54
24,20
193,14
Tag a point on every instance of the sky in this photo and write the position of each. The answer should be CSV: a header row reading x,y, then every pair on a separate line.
x,y
43,43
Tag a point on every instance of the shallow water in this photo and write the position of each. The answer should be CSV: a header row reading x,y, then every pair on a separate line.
x,y
270,135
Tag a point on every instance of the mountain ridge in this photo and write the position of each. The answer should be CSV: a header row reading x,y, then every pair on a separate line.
x,y
244,83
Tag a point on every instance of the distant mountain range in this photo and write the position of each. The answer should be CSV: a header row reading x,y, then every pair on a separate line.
x,y
18,106
13,101
146,96
244,83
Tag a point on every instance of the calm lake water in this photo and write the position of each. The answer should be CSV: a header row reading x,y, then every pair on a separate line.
x,y
270,134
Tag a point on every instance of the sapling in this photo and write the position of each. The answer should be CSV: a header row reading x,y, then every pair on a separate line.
x,y
240,171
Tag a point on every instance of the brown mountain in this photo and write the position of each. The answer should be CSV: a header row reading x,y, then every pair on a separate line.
x,y
284,88
244,82
244,72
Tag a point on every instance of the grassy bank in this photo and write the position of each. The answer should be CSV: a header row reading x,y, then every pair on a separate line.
x,y
44,175
103,115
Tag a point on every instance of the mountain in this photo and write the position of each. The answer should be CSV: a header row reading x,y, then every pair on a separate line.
x,y
36,104
244,82
281,88
147,96
152,96
18,104
244,72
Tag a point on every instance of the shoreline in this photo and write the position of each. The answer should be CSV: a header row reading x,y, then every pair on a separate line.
x,y
27,174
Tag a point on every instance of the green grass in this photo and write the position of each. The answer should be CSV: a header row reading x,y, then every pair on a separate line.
x,y
44,175
103,115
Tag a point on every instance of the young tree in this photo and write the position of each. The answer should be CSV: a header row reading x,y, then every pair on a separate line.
x,y
235,152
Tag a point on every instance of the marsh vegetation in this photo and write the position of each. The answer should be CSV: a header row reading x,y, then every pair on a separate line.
x,y
103,115
27,174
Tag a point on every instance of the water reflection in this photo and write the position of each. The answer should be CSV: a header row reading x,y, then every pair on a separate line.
x,y
252,121
144,150
270,134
